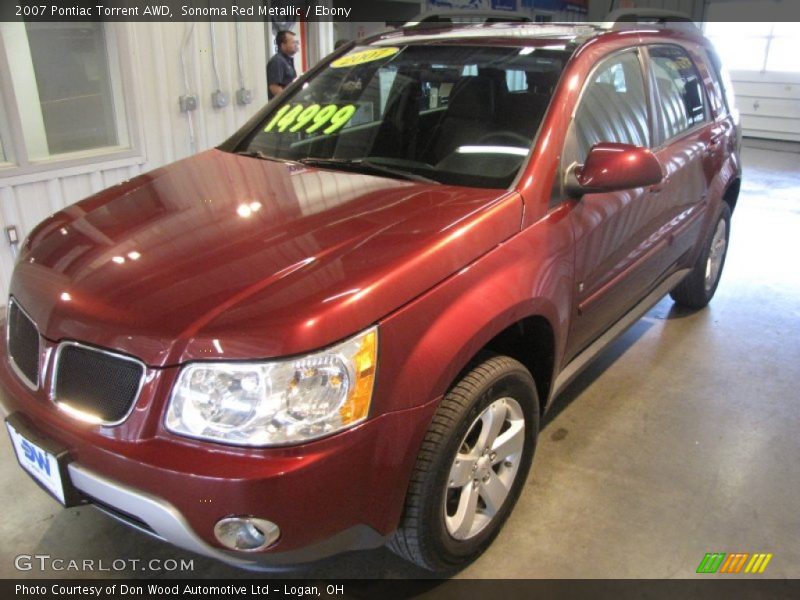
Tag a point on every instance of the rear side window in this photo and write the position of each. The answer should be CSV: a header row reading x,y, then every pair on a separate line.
x,y
681,102
722,78
716,99
613,107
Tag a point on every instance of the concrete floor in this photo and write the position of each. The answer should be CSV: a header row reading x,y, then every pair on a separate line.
x,y
681,439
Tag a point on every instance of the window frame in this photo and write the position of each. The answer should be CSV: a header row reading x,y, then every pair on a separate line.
x,y
6,152
658,115
19,168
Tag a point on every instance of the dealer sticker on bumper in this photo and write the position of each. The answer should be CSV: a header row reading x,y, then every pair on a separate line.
x,y
42,465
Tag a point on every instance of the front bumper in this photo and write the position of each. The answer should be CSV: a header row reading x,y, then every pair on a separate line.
x,y
160,519
339,493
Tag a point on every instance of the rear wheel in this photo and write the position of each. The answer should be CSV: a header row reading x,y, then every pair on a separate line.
x,y
473,463
697,289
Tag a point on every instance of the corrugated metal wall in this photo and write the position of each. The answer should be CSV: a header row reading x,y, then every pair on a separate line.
x,y
769,103
154,58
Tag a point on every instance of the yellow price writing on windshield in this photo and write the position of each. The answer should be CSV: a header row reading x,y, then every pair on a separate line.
x,y
363,56
311,118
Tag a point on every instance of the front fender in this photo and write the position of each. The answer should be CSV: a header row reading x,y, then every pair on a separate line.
x,y
426,343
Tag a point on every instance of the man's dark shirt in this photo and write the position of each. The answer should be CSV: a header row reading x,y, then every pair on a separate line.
x,y
280,71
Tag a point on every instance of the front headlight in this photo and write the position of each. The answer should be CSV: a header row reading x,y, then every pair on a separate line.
x,y
278,402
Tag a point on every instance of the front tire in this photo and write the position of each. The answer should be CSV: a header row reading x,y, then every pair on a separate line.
x,y
697,289
471,468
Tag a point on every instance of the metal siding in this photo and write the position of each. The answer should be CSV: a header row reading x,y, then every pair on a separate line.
x,y
769,103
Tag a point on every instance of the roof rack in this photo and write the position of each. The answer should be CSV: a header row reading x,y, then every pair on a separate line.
x,y
465,17
627,18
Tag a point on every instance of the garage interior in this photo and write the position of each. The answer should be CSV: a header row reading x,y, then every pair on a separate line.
x,y
678,441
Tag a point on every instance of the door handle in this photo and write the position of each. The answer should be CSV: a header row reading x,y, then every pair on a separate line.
x,y
657,187
713,144
716,137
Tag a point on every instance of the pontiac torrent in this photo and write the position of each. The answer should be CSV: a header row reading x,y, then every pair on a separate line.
x,y
341,328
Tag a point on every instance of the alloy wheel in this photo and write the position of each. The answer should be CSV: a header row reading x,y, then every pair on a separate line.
x,y
719,244
484,469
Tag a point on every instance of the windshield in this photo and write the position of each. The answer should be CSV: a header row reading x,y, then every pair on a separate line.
x,y
461,115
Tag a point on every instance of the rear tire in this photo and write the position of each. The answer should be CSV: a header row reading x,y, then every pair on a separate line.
x,y
471,468
697,289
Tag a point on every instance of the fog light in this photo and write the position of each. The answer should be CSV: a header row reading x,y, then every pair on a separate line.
x,y
246,534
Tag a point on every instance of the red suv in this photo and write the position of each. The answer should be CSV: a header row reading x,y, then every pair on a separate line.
x,y
342,327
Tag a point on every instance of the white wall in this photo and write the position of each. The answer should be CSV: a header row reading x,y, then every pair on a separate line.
x,y
598,9
769,103
154,60
763,62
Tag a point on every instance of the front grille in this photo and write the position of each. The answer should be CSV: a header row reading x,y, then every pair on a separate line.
x,y
23,345
96,382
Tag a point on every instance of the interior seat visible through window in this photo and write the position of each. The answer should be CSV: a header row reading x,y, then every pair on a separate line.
x,y
469,115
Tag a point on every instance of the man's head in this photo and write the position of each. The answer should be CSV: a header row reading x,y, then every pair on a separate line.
x,y
287,43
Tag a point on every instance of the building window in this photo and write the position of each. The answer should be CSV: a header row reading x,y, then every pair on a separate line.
x,y
66,85
784,47
756,46
74,86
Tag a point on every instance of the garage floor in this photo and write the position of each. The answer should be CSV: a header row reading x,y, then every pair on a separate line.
x,y
682,439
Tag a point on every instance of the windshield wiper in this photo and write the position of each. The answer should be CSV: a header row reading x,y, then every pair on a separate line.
x,y
261,155
363,166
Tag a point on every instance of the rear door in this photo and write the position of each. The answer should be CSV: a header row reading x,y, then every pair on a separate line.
x,y
687,146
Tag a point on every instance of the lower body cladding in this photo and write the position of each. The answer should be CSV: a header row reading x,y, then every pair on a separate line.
x,y
280,505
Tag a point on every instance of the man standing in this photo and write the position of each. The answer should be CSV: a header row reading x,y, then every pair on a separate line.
x,y
280,68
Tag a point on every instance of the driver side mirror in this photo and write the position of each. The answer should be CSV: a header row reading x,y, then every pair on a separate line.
x,y
612,167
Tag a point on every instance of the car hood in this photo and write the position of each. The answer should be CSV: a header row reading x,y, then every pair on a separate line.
x,y
227,256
